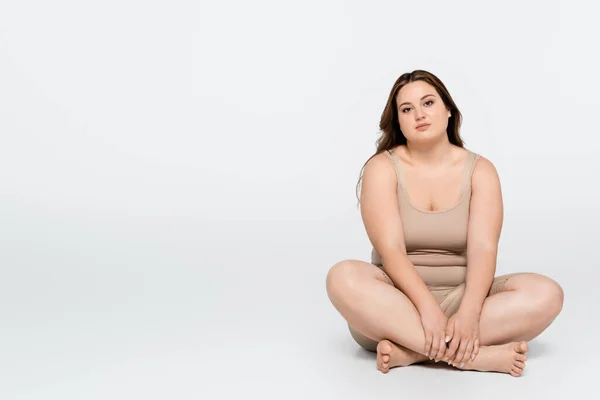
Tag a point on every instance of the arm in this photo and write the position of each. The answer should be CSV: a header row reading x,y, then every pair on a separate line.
x,y
485,225
381,217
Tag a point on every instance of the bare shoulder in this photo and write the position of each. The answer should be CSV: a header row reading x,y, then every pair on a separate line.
x,y
379,181
379,169
485,173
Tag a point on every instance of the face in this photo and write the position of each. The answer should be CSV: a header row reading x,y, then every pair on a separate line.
x,y
419,103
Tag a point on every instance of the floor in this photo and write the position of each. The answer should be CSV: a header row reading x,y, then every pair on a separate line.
x,y
132,311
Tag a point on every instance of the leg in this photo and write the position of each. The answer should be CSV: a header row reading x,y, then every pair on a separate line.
x,y
368,301
520,306
362,293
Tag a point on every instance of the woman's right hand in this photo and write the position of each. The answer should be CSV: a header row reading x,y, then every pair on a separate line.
x,y
434,323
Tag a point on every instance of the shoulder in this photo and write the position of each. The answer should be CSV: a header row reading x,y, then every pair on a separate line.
x,y
380,164
379,174
484,173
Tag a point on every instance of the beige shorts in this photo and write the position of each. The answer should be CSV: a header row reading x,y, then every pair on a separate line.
x,y
447,284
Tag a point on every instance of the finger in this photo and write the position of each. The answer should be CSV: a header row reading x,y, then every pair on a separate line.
x,y
435,345
427,344
451,352
445,349
449,331
468,352
461,352
442,348
454,343
475,349
447,339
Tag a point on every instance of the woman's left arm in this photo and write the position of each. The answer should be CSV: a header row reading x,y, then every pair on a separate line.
x,y
484,228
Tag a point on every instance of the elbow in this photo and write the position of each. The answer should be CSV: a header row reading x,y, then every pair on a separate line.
x,y
392,255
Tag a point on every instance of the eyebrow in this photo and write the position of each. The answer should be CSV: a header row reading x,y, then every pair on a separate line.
x,y
407,102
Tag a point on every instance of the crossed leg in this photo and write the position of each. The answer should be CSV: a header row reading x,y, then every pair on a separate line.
x,y
383,319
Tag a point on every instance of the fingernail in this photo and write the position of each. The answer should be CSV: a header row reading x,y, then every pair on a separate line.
x,y
447,338
472,357
427,354
445,358
462,365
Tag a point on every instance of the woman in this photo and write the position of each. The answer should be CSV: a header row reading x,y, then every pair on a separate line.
x,y
433,211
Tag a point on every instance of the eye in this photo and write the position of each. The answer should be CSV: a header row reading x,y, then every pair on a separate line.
x,y
404,109
429,101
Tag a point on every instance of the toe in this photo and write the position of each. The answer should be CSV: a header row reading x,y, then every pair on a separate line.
x,y
516,371
384,347
384,367
521,357
523,347
386,358
519,364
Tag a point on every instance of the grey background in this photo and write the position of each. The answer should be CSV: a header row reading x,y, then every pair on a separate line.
x,y
176,178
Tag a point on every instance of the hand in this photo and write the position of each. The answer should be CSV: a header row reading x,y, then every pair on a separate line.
x,y
463,329
434,323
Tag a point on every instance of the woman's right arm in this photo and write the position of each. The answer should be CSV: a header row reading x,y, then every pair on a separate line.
x,y
381,218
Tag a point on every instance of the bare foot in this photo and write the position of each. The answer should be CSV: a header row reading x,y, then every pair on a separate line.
x,y
509,358
390,355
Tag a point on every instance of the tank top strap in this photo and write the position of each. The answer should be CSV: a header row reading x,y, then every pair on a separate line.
x,y
398,166
468,170
472,158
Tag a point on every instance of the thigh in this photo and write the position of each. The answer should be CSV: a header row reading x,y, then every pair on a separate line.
x,y
354,272
363,341
500,283
451,301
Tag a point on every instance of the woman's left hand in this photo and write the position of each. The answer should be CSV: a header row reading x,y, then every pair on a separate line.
x,y
463,328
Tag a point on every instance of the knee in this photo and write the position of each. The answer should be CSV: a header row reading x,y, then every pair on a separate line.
x,y
342,276
549,296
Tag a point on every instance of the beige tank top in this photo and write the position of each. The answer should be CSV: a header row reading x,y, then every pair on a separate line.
x,y
434,238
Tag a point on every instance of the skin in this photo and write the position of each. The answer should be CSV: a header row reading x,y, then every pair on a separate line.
x,y
486,333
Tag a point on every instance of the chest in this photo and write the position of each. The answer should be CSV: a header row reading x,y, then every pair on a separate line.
x,y
433,190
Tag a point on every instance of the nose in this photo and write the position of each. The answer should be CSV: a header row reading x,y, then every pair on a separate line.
x,y
418,114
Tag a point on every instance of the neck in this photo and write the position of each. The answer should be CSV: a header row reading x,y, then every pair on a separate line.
x,y
437,153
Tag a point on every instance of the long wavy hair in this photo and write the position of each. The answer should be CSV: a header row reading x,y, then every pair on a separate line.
x,y
391,134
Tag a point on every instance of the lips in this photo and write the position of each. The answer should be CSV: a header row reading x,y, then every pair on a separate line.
x,y
422,126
